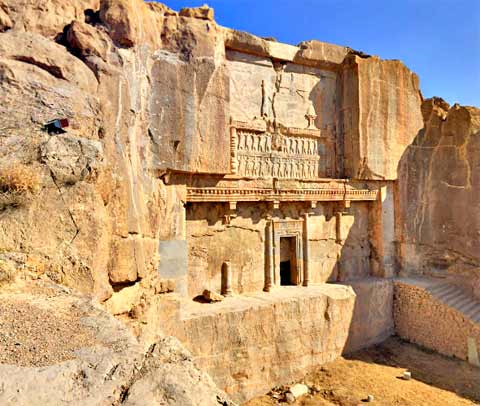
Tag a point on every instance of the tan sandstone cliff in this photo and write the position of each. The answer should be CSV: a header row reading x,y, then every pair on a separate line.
x,y
150,95
439,196
146,89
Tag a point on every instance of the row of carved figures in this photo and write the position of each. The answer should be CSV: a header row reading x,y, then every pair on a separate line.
x,y
262,142
277,167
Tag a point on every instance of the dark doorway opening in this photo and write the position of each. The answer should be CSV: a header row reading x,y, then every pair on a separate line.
x,y
285,273
288,262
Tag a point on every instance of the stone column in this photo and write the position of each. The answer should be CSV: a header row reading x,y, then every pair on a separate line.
x,y
338,227
269,255
306,255
226,279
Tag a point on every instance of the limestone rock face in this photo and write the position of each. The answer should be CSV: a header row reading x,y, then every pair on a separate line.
x,y
45,55
321,52
114,68
48,18
72,159
148,91
191,145
204,12
87,40
248,344
438,189
104,365
5,21
381,116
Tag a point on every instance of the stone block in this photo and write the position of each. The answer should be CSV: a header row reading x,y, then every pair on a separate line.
x,y
298,390
211,297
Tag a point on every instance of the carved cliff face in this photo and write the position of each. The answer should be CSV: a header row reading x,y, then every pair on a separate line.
x,y
148,90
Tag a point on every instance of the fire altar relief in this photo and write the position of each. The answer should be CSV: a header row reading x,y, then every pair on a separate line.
x,y
259,150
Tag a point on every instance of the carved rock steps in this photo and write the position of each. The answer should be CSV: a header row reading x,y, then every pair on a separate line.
x,y
456,298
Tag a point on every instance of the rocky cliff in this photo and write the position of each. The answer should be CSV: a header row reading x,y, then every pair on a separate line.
x,y
132,79
150,96
148,90
438,195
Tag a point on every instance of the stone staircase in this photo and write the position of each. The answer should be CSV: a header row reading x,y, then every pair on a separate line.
x,y
439,315
454,297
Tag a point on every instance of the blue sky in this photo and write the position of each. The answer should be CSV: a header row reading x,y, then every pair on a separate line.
x,y
437,39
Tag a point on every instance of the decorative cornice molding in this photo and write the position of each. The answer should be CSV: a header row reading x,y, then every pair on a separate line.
x,y
198,194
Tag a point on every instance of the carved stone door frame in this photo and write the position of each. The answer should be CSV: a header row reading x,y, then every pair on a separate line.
x,y
293,229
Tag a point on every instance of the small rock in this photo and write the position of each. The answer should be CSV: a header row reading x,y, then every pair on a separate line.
x,y
289,398
370,398
407,375
212,296
298,390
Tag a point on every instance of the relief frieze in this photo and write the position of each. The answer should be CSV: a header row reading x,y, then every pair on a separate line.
x,y
261,150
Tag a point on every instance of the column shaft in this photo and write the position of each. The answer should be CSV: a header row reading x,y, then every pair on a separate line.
x,y
306,253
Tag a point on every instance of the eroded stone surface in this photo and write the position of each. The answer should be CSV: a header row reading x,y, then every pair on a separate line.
x,y
288,330
191,145
105,364
439,190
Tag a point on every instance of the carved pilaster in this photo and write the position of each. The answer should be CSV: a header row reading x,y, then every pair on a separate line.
x,y
306,252
269,262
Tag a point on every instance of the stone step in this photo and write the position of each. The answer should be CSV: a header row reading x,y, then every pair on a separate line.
x,y
452,294
474,314
460,301
439,289
471,310
466,304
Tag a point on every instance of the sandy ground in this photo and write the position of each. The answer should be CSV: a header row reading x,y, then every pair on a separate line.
x,y
28,321
436,380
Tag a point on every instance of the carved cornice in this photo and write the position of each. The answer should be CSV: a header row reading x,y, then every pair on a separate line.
x,y
198,194
255,126
303,132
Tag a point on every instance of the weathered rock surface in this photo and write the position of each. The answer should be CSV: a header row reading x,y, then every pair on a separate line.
x,y
48,18
210,296
250,343
152,96
372,320
381,116
148,90
72,159
204,12
112,368
439,197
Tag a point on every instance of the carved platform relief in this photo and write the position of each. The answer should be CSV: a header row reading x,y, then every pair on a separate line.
x,y
284,153
275,128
